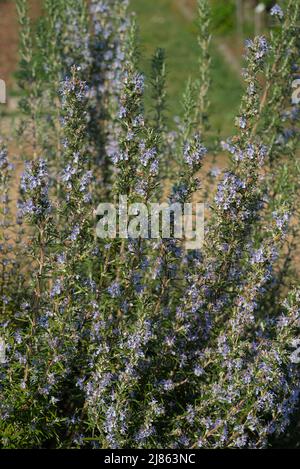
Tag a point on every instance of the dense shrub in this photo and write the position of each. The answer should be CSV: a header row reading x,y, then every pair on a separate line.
x,y
115,343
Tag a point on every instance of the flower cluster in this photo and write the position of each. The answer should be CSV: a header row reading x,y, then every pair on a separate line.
x,y
34,189
194,153
277,11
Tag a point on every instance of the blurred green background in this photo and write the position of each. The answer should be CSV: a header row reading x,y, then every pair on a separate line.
x,y
170,24
164,23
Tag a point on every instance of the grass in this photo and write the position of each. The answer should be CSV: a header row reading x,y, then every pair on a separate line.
x,y
162,24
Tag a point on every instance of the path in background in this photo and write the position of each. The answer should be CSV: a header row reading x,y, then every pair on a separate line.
x,y
187,8
9,42
9,36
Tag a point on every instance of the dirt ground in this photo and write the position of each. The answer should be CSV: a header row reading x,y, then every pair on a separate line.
x,y
9,36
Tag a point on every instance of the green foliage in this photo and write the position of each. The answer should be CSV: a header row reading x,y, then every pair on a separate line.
x,y
135,341
223,16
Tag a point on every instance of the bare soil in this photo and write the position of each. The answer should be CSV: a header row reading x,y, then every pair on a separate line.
x,y
9,36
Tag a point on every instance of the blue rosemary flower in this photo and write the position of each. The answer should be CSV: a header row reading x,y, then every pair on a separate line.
x,y
276,10
114,290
